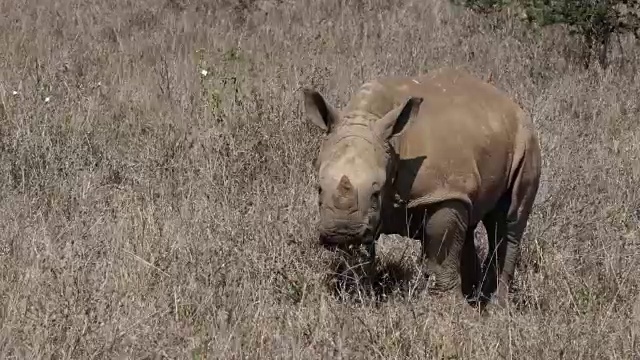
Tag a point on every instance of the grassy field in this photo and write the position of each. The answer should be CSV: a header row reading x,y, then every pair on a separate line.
x,y
157,193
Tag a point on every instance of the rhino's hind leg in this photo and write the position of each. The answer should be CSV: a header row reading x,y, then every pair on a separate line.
x,y
442,241
522,196
507,223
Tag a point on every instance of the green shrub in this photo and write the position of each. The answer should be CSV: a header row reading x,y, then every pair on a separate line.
x,y
595,21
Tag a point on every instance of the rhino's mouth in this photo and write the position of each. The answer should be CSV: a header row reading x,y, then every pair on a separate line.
x,y
331,239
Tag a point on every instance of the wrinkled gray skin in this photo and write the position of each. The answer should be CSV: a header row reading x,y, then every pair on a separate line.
x,y
453,149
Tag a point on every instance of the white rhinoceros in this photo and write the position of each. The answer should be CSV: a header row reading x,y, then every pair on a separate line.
x,y
429,157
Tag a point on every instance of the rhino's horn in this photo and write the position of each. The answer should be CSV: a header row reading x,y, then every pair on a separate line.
x,y
346,196
344,187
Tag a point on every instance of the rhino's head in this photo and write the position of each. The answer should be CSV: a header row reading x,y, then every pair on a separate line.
x,y
355,167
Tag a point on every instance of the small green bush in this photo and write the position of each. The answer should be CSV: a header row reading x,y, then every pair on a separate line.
x,y
595,21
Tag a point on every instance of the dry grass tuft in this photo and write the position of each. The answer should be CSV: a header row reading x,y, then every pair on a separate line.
x,y
148,210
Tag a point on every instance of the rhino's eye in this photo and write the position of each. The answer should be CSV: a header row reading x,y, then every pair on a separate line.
x,y
375,197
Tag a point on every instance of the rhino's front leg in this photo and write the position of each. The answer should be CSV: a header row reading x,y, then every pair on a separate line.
x,y
444,235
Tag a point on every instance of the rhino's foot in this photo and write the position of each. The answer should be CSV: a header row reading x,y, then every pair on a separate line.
x,y
441,281
493,303
501,296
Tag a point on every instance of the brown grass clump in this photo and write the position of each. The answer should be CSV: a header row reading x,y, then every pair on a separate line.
x,y
150,211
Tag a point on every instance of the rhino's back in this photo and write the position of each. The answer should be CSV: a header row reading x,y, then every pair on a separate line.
x,y
464,142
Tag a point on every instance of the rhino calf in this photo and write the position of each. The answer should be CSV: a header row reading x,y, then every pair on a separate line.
x,y
429,157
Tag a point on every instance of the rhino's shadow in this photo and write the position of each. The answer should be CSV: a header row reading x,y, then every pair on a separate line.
x,y
392,278
406,173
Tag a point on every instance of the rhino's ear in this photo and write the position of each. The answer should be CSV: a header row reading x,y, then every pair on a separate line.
x,y
318,111
397,119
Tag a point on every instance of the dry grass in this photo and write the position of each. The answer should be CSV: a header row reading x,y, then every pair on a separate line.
x,y
148,211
